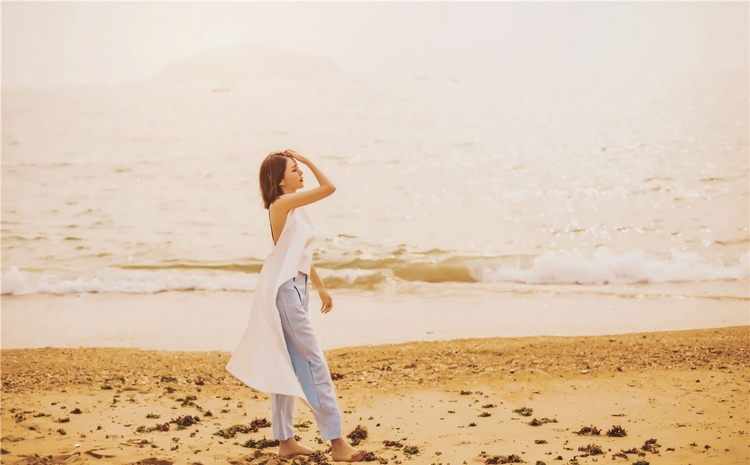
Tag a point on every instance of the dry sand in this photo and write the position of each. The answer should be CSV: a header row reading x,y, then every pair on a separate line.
x,y
452,401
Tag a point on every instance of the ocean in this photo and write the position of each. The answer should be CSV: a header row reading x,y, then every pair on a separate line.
x,y
152,187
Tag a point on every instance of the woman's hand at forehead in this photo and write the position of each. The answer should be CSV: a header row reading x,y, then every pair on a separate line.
x,y
296,156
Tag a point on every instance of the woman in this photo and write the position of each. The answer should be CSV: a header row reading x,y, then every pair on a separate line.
x,y
279,352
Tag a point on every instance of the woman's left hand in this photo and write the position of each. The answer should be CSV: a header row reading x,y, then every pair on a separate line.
x,y
326,300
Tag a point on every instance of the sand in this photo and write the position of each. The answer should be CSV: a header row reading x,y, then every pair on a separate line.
x,y
447,402
204,321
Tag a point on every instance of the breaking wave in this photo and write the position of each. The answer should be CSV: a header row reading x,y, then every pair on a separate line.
x,y
600,267
16,281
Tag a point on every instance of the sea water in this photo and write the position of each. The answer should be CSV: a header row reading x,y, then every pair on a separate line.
x,y
153,187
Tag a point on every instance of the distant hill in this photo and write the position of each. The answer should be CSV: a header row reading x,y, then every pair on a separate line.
x,y
245,62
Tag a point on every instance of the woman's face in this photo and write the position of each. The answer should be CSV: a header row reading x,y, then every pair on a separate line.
x,y
293,179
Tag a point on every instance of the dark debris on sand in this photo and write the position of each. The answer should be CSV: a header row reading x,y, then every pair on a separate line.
x,y
318,458
357,435
371,457
591,449
512,458
524,411
617,431
185,421
267,458
651,445
261,443
253,427
152,461
24,370
542,421
588,431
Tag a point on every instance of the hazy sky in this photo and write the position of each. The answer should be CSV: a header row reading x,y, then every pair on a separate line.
x,y
80,43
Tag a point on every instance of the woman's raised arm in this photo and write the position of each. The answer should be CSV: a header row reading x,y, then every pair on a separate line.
x,y
293,200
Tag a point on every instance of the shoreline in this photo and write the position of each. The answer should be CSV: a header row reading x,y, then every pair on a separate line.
x,y
686,389
216,320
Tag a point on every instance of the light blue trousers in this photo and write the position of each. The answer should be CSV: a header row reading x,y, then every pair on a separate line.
x,y
309,365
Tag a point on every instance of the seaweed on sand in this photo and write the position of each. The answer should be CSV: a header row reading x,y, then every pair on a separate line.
x,y
357,435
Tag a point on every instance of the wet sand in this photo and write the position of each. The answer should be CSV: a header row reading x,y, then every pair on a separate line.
x,y
204,321
681,397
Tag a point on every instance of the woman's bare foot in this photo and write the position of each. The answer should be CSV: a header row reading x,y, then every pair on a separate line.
x,y
290,448
341,451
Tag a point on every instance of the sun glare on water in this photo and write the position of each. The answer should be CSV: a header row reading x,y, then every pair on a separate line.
x,y
221,36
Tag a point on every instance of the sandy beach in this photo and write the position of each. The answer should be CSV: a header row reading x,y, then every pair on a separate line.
x,y
677,397
538,249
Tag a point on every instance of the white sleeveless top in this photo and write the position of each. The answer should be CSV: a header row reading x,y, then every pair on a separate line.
x,y
305,230
261,359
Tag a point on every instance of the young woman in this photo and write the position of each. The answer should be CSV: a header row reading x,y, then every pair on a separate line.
x,y
279,352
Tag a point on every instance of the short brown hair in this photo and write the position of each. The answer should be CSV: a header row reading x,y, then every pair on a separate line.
x,y
272,171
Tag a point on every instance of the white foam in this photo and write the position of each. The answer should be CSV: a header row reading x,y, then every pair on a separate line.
x,y
604,266
600,267
351,276
18,282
